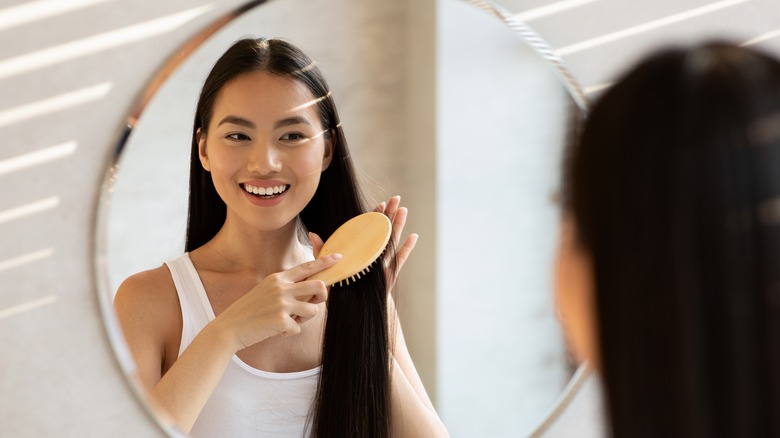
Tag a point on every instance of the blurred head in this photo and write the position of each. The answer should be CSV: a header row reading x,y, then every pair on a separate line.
x,y
669,268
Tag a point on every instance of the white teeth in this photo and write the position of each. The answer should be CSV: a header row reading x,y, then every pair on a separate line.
x,y
265,191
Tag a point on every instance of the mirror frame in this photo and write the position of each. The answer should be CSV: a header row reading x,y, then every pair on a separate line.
x,y
100,248
548,54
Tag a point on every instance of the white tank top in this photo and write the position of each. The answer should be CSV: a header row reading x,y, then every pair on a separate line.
x,y
247,402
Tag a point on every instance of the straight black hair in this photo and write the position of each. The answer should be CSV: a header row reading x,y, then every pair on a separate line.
x,y
353,398
674,188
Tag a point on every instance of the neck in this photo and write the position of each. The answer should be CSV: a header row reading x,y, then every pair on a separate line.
x,y
241,249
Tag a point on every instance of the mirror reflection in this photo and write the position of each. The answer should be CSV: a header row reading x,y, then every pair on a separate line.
x,y
233,338
468,130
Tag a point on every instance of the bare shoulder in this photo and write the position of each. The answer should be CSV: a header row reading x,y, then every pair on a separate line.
x,y
150,316
147,293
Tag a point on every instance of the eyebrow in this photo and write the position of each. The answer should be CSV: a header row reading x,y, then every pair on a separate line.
x,y
294,120
236,120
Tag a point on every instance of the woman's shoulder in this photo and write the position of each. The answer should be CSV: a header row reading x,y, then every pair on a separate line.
x,y
148,283
149,295
148,311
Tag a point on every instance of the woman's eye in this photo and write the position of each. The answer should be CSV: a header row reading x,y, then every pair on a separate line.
x,y
292,136
237,136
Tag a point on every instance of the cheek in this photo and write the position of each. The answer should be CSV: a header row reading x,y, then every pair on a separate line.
x,y
563,290
222,162
310,164
573,290
223,169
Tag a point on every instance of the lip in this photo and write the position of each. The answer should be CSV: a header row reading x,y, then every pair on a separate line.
x,y
265,183
260,202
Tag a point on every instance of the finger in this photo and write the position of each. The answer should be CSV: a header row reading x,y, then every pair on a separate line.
x,y
293,330
310,291
317,310
399,222
289,328
392,206
316,298
404,251
302,311
319,298
306,270
316,243
381,207
393,269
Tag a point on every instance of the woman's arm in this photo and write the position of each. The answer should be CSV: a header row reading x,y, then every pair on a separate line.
x,y
412,410
150,317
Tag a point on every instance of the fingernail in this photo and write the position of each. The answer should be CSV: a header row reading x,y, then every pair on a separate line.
x,y
335,256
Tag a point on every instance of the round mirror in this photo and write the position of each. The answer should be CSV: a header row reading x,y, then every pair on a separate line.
x,y
456,108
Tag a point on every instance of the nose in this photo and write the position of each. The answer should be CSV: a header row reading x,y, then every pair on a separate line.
x,y
264,159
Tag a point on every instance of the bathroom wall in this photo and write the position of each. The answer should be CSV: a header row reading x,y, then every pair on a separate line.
x,y
70,71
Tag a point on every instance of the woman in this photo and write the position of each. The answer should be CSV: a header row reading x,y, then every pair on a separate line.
x,y
669,263
231,339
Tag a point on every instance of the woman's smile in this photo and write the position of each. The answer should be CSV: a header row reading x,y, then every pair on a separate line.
x,y
265,193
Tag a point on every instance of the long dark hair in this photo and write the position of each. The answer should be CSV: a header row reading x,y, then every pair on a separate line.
x,y
353,393
674,188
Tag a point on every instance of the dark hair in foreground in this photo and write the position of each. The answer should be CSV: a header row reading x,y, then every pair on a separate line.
x,y
353,396
674,188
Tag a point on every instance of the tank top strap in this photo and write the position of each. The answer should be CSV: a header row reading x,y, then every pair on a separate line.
x,y
196,310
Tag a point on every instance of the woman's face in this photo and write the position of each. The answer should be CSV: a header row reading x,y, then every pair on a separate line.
x,y
574,295
265,148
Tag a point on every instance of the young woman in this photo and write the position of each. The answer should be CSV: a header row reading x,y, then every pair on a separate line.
x,y
231,339
669,270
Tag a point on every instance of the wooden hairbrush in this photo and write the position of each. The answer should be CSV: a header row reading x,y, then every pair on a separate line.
x,y
360,241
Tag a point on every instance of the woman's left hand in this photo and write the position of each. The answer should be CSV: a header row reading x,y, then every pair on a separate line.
x,y
393,262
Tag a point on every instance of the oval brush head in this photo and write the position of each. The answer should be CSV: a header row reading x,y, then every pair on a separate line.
x,y
360,241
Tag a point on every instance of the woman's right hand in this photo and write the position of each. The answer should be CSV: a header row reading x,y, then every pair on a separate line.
x,y
278,305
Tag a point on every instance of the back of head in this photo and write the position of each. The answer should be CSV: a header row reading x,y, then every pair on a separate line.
x,y
674,188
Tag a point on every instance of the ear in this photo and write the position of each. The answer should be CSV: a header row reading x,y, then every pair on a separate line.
x,y
330,145
202,152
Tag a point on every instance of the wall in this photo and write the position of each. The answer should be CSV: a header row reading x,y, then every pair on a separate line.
x,y
69,72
